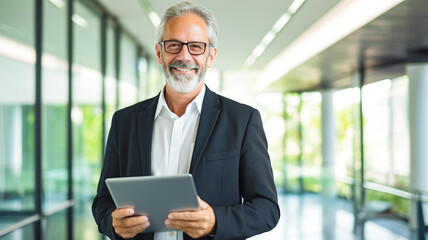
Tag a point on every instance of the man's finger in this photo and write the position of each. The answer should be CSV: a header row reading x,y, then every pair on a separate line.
x,y
188,216
202,203
122,213
130,221
186,225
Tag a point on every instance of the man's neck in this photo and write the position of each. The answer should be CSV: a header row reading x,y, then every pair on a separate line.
x,y
177,102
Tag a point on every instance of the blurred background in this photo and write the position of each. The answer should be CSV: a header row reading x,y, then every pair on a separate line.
x,y
342,86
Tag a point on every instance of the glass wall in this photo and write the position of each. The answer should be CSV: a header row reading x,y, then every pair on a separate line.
x,y
111,101
346,107
128,74
54,116
17,99
386,139
54,101
311,141
303,157
292,143
18,184
86,117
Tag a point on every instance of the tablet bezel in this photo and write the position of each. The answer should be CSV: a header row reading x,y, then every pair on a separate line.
x,y
155,196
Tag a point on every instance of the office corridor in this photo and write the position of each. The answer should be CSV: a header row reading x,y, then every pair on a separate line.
x,y
314,217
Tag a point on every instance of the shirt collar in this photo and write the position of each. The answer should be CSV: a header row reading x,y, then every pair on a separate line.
x,y
198,101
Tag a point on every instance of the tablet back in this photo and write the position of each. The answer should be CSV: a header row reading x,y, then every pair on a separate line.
x,y
154,196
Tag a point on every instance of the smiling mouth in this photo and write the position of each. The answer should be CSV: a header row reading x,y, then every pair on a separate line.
x,y
182,70
182,67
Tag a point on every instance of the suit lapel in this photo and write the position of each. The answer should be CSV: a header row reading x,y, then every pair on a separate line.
x,y
209,115
145,132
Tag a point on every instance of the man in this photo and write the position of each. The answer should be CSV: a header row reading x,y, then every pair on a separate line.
x,y
189,129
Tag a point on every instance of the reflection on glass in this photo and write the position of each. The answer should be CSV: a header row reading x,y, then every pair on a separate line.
x,y
311,141
26,233
17,98
86,119
110,79
54,100
143,68
345,101
56,226
128,72
303,158
386,138
292,142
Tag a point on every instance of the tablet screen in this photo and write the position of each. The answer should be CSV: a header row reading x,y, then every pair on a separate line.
x,y
154,196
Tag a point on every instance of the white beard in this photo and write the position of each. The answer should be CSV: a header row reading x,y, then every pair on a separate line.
x,y
182,83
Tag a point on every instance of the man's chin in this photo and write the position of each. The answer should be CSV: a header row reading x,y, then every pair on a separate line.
x,y
181,87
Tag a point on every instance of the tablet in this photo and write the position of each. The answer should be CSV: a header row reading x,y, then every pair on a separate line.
x,y
154,196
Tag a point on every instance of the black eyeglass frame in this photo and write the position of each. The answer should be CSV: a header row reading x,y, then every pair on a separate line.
x,y
182,44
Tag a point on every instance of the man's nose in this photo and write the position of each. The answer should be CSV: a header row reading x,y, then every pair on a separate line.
x,y
184,54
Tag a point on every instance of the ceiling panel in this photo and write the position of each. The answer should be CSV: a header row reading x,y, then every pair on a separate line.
x,y
242,25
380,47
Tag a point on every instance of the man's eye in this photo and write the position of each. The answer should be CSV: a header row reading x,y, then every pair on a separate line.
x,y
174,45
196,46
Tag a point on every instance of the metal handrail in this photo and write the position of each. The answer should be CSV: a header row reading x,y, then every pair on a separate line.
x,y
416,196
387,189
58,208
20,224
37,217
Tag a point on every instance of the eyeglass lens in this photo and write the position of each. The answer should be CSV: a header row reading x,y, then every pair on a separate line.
x,y
175,47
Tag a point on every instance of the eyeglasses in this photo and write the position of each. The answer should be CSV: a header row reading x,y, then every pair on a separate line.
x,y
175,47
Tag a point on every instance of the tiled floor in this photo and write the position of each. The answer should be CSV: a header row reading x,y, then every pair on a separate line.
x,y
303,217
312,217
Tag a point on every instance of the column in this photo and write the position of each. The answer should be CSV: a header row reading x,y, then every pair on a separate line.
x,y
328,180
417,71
328,142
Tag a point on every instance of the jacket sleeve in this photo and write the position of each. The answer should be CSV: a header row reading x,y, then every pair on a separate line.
x,y
259,211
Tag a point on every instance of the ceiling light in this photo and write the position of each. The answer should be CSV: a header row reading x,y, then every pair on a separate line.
x,y
258,50
151,13
281,22
295,5
17,51
58,3
343,19
77,19
249,61
154,18
268,38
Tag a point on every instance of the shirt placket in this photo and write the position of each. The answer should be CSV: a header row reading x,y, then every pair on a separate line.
x,y
174,150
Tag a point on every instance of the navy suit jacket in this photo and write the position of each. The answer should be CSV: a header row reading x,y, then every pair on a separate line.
x,y
230,165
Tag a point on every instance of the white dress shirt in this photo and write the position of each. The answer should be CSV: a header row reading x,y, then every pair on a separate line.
x,y
173,142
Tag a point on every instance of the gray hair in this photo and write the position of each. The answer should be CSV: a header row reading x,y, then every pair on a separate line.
x,y
183,7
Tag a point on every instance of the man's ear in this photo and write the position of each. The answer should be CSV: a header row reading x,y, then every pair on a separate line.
x,y
211,57
158,53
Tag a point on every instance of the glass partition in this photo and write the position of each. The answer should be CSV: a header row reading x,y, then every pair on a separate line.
x,y
54,104
292,143
345,102
311,141
110,79
17,99
128,72
86,117
386,138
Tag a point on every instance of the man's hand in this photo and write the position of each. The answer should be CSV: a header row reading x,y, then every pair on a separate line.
x,y
127,226
194,223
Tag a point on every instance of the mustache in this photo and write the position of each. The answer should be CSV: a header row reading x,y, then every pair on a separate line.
x,y
181,64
